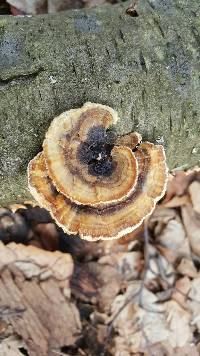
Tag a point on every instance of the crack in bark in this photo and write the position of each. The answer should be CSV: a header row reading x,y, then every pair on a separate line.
x,y
20,78
158,25
142,62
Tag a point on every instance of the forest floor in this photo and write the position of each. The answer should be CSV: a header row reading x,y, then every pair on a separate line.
x,y
61,295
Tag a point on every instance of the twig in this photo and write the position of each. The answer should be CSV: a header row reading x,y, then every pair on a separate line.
x,y
147,341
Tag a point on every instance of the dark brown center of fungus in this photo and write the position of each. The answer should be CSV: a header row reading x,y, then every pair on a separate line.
x,y
96,152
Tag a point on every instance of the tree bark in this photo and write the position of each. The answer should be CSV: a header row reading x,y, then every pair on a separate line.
x,y
146,67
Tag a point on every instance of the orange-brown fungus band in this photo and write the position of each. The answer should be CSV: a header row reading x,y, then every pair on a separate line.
x,y
92,182
81,161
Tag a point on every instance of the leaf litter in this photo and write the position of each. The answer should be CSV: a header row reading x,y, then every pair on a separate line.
x,y
24,7
137,295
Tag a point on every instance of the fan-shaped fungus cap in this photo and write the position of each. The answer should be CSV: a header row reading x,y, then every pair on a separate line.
x,y
114,219
81,159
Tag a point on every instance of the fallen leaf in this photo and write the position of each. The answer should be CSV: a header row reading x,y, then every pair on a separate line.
x,y
11,346
165,349
34,262
162,270
192,227
35,281
162,215
194,190
84,284
173,237
128,264
194,302
139,327
178,321
177,201
109,282
195,290
134,320
108,247
187,268
178,183
181,290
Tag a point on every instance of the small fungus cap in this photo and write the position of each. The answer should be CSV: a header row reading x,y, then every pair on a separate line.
x,y
82,160
113,219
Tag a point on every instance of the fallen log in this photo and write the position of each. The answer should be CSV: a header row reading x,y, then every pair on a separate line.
x,y
143,63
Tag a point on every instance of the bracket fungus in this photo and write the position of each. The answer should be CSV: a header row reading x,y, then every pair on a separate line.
x,y
93,183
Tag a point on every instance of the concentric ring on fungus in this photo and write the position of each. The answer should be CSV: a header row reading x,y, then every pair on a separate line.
x,y
81,160
92,183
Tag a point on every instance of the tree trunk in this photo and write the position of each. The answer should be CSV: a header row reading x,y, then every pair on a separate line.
x,y
146,67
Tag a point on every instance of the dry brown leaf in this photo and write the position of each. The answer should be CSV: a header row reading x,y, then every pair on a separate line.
x,y
128,264
133,319
97,283
139,328
187,268
37,282
181,290
160,218
165,349
3,326
159,269
194,302
178,183
162,215
164,270
34,262
192,227
173,237
84,284
108,247
194,190
178,321
187,350
195,290
177,201
11,346
167,253
99,318
109,282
